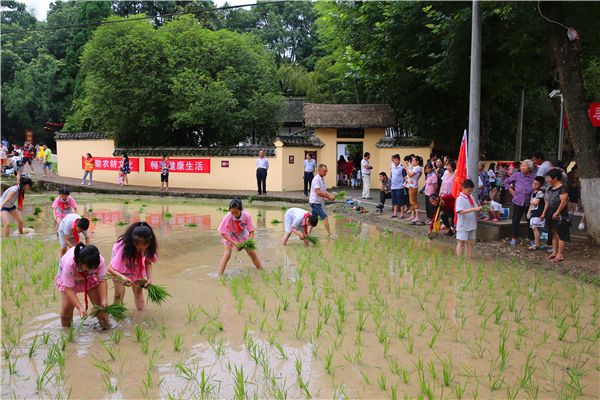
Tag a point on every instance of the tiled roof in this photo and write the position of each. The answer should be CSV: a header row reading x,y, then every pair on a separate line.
x,y
300,141
239,151
292,109
82,136
390,142
349,116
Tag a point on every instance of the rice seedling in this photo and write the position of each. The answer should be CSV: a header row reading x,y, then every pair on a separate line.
x,y
12,365
365,376
249,244
33,346
155,357
329,368
185,371
192,314
145,343
350,224
409,345
340,195
168,215
112,351
37,210
177,341
283,207
101,365
29,218
42,380
275,221
280,351
117,311
459,390
382,381
312,239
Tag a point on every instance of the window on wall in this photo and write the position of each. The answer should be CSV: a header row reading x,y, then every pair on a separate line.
x,y
350,133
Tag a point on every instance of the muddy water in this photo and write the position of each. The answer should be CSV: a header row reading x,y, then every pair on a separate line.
x,y
370,314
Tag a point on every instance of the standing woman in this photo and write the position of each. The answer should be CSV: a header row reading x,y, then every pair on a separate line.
x,y
439,171
574,188
556,215
523,187
126,169
492,175
88,166
14,195
448,178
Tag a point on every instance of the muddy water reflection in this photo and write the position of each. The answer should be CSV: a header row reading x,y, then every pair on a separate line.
x,y
370,314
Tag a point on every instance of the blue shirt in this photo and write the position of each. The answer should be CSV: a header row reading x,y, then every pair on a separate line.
x,y
262,163
398,174
309,166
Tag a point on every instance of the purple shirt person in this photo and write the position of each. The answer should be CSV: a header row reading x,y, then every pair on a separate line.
x,y
523,187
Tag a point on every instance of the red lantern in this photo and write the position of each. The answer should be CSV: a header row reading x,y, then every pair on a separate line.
x,y
46,128
55,133
48,123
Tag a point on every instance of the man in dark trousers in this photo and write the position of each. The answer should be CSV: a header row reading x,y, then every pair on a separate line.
x,y
262,166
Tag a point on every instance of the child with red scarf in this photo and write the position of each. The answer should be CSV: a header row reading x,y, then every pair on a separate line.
x,y
69,230
132,258
63,205
236,228
297,220
466,219
12,205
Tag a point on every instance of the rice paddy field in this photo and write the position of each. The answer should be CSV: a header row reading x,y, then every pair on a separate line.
x,y
368,314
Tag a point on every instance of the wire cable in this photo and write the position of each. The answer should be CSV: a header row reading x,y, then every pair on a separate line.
x,y
138,19
547,19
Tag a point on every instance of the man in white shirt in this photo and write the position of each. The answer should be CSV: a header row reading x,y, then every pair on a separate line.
x,y
543,166
365,171
262,166
308,167
318,194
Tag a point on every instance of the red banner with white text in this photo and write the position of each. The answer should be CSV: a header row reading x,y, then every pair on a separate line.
x,y
595,113
112,163
190,165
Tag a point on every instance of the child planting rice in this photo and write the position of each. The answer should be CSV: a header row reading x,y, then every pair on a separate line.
x,y
235,229
132,258
69,231
82,270
63,205
297,221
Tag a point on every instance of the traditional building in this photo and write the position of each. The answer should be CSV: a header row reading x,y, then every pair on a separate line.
x,y
330,131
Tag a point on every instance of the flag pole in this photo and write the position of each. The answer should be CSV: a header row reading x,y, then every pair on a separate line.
x,y
475,96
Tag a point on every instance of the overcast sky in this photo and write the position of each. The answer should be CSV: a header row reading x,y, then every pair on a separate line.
x,y
41,6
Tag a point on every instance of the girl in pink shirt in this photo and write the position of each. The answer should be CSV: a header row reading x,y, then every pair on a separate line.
x,y
63,205
431,185
132,258
236,228
81,270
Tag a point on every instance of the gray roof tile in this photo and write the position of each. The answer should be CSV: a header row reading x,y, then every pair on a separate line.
x,y
82,136
240,151
391,142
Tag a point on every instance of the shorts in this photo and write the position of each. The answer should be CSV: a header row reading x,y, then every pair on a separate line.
x,y
412,193
47,165
61,240
27,161
19,168
492,185
317,209
398,197
164,177
463,236
9,209
535,222
574,195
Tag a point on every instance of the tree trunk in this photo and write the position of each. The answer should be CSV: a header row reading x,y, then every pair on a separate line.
x,y
566,54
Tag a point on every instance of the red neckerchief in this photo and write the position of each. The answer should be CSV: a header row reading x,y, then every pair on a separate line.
x,y
85,286
64,204
21,197
304,224
239,224
75,233
140,260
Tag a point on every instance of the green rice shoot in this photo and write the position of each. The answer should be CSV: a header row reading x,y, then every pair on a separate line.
x,y
275,221
350,224
157,294
117,311
313,239
249,244
340,195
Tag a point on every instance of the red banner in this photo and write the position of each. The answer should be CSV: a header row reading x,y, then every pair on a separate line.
x,y
29,136
595,114
189,165
461,168
112,163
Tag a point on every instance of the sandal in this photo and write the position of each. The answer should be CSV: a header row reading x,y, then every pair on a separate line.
x,y
412,223
558,260
393,216
513,242
534,247
550,257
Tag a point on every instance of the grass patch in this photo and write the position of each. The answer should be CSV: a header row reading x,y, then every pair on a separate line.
x,y
192,225
350,224
29,218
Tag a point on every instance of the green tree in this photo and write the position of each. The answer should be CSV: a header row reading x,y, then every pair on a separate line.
x,y
15,13
180,84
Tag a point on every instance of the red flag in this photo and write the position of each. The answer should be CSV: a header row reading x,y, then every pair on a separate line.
x,y
461,168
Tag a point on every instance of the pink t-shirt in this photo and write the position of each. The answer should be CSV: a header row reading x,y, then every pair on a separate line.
x,y
68,276
429,182
447,183
131,269
64,207
238,230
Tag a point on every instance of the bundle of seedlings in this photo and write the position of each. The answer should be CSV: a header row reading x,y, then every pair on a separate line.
x,y
312,239
340,195
249,244
117,311
156,294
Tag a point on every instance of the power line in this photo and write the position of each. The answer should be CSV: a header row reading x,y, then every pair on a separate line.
x,y
138,19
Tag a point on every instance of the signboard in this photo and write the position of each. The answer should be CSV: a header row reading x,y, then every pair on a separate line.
x,y
29,136
291,159
112,163
595,114
189,165
224,164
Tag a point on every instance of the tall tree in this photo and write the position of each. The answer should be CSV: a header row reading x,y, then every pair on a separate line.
x,y
180,84
567,53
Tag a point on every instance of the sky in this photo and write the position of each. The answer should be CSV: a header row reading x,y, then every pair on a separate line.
x,y
41,6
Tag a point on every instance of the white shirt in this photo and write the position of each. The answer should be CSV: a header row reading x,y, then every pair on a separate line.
x,y
65,227
414,180
309,166
364,170
495,206
317,183
543,169
294,217
262,163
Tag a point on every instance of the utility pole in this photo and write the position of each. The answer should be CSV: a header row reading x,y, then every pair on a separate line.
x,y
475,97
561,128
520,126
